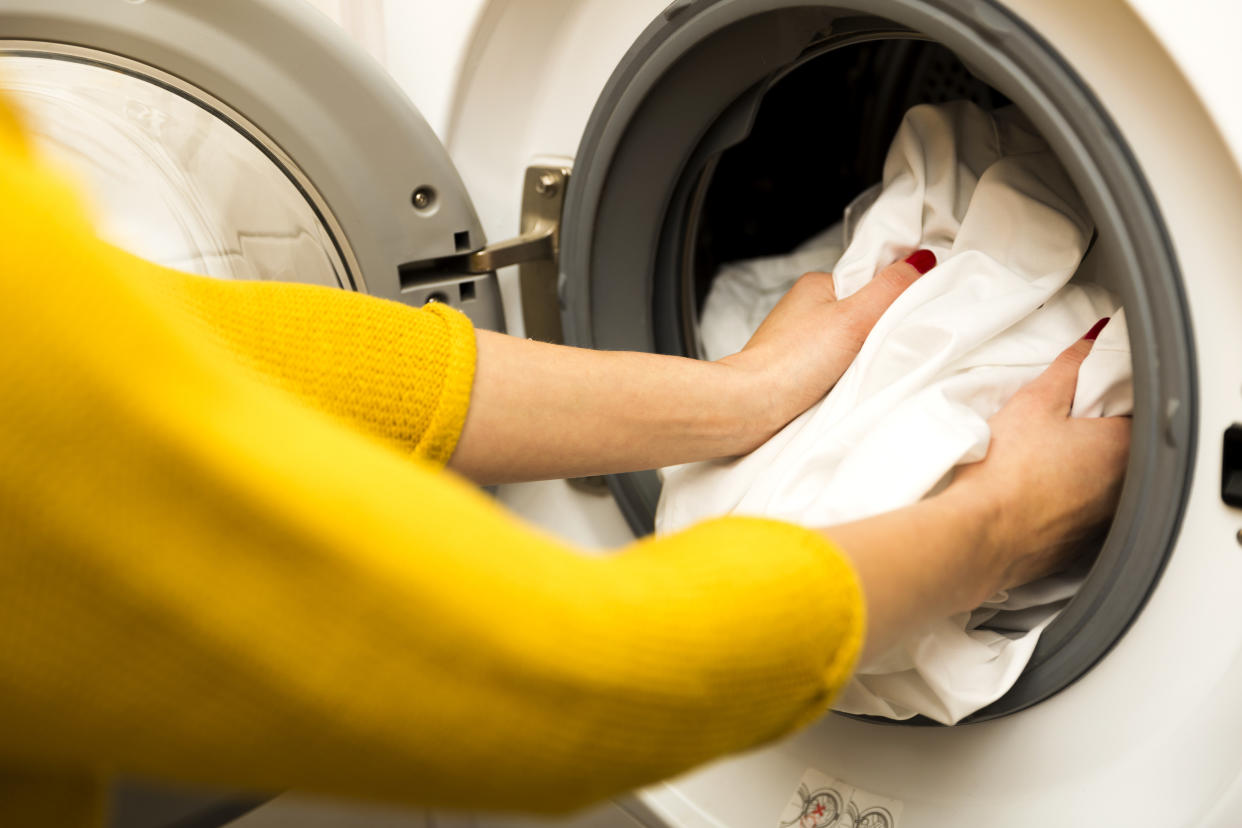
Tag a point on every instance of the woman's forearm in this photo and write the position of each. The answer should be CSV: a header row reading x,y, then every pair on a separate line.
x,y
923,562
544,411
541,411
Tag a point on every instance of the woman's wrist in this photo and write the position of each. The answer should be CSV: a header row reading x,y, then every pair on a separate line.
x,y
978,522
758,399
929,560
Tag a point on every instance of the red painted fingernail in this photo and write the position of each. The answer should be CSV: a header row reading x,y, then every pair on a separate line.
x,y
1096,328
921,260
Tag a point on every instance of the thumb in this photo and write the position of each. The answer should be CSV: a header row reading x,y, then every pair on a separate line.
x,y
1056,385
868,304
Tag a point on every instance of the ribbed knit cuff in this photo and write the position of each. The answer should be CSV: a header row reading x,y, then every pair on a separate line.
x,y
449,417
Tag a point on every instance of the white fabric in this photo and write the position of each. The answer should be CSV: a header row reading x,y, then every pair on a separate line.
x,y
987,196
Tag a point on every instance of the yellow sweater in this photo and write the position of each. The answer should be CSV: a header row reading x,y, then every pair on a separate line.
x,y
230,557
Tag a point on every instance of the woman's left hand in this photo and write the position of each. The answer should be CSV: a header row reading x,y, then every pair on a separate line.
x,y
810,338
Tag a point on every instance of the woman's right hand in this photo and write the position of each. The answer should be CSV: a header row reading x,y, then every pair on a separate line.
x,y
1050,481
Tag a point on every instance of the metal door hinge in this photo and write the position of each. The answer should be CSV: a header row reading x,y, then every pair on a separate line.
x,y
535,251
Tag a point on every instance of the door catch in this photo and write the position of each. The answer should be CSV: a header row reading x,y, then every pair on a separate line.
x,y
536,252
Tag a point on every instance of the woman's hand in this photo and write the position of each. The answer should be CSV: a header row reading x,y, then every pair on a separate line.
x,y
810,338
1052,481
1048,483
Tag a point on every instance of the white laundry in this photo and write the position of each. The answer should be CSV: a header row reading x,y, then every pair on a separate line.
x,y
987,196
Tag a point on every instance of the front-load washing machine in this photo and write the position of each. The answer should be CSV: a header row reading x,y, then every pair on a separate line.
x,y
623,152
737,128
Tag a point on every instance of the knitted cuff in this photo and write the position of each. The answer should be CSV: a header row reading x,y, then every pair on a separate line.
x,y
440,439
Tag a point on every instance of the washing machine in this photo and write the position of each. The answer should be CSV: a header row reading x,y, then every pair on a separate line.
x,y
600,160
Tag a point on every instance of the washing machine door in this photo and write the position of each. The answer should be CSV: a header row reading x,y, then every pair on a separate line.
x,y
244,139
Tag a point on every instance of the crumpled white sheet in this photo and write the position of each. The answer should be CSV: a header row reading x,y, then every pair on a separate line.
x,y
986,195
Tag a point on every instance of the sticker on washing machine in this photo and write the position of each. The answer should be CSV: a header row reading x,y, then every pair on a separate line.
x,y
824,802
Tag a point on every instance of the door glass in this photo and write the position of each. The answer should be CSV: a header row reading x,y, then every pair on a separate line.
x,y
168,178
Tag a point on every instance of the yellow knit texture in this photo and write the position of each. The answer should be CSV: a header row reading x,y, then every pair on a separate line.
x,y
229,557
401,375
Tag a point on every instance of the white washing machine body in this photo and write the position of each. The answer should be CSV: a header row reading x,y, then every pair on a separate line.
x,y
1148,734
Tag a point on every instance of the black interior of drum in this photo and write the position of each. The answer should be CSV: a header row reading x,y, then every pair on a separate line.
x,y
819,140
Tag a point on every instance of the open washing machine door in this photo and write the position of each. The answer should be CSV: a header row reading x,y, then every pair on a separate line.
x,y
246,139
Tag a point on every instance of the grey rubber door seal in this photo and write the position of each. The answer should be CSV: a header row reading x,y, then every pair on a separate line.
x,y
690,87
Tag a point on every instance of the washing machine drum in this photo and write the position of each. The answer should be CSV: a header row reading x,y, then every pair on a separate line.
x,y
739,128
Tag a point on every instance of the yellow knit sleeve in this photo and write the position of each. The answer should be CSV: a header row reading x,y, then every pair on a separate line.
x,y
400,373
207,578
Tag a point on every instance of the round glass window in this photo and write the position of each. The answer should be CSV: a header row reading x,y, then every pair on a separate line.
x,y
168,177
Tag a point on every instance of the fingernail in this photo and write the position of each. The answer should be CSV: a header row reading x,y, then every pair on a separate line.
x,y
921,260
1096,328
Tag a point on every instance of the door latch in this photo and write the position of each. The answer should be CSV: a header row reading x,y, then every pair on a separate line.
x,y
535,251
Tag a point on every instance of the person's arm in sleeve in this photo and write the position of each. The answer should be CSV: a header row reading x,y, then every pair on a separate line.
x,y
536,410
206,582
204,579
244,595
